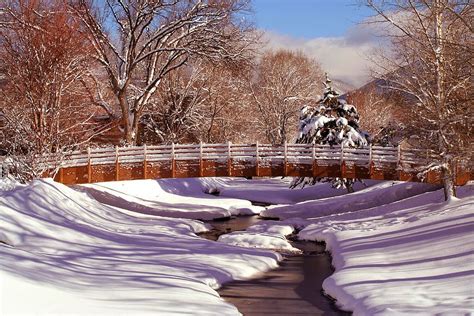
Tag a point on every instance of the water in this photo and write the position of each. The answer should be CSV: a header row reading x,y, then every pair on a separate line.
x,y
295,288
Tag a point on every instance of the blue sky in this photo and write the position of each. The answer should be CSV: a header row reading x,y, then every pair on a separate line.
x,y
308,18
327,30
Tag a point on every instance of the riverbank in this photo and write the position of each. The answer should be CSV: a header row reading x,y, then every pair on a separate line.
x,y
397,247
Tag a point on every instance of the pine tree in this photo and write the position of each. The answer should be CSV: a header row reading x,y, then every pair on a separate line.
x,y
332,122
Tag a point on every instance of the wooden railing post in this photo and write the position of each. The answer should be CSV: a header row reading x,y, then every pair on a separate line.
x,y
117,164
285,159
201,163
61,175
399,155
399,159
89,165
315,165
144,162
257,167
342,153
371,167
229,159
173,163
455,171
342,163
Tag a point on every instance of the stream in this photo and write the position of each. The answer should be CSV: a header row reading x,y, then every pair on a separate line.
x,y
295,288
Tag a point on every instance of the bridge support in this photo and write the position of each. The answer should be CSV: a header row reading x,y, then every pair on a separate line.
x,y
343,169
201,163
145,167
229,159
257,166
117,164
61,175
89,166
173,162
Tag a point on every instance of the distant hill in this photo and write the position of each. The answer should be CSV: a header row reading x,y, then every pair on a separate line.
x,y
380,111
342,86
378,86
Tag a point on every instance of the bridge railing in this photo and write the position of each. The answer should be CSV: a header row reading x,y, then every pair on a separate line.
x,y
192,160
296,153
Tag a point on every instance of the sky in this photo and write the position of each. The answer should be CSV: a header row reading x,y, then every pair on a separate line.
x,y
308,18
328,30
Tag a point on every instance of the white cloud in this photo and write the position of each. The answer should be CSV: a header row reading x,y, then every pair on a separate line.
x,y
345,58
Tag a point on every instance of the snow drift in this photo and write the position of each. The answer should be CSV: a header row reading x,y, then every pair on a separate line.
x,y
411,257
73,255
177,198
376,195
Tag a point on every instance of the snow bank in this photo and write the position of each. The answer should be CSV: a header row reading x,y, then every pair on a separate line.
x,y
177,198
69,254
378,194
413,257
276,190
259,240
189,198
266,235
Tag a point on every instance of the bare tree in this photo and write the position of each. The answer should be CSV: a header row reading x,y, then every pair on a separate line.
x,y
378,108
43,103
283,83
176,112
431,65
139,42
227,116
202,101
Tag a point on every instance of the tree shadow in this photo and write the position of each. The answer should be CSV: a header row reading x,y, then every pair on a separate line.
x,y
63,238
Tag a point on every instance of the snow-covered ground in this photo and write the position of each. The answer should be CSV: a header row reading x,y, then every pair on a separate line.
x,y
266,235
412,257
65,253
178,198
106,249
380,193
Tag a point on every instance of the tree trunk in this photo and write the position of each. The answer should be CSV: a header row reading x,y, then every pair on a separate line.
x,y
134,128
126,118
448,184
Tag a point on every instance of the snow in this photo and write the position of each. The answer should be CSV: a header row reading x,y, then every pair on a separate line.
x,y
187,198
412,256
266,235
178,198
375,195
397,248
70,254
259,240
314,124
7,184
276,190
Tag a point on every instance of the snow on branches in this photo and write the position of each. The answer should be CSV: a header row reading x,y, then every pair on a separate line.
x,y
331,122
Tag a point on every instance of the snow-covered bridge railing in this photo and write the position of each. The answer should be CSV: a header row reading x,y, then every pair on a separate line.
x,y
244,160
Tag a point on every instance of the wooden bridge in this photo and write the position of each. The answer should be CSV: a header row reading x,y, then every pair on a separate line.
x,y
246,160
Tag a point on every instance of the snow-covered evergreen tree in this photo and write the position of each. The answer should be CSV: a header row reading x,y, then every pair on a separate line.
x,y
332,122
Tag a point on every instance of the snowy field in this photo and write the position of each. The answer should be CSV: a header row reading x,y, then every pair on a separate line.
x,y
131,247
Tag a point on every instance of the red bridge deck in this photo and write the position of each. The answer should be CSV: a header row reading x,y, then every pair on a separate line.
x,y
242,160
